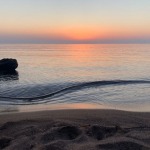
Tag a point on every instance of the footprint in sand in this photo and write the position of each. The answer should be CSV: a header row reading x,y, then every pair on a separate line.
x,y
99,133
61,133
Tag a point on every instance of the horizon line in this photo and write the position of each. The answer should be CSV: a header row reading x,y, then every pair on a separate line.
x,y
75,43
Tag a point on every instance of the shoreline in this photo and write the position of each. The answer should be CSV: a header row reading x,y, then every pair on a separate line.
x,y
76,129
62,113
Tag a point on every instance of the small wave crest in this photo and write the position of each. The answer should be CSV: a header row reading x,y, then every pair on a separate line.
x,y
65,90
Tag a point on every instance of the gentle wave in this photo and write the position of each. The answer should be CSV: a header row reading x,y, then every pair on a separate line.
x,y
69,89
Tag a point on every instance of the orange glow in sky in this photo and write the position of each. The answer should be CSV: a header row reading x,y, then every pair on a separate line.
x,y
81,33
70,21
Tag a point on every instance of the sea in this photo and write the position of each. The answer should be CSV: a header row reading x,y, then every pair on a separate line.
x,y
76,76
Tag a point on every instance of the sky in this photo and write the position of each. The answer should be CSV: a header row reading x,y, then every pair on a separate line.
x,y
74,21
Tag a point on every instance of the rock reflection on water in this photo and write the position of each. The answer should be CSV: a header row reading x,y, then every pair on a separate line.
x,y
7,76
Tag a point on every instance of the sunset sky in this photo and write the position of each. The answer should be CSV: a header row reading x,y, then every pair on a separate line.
x,y
75,21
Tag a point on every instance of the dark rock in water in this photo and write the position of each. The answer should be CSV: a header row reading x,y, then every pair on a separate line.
x,y
8,65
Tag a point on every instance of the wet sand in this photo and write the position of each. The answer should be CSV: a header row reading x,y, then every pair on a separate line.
x,y
75,130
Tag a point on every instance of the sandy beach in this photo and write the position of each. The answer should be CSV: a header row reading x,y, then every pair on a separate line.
x,y
75,130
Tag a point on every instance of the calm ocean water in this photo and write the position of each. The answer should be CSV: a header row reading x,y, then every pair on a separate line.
x,y
76,76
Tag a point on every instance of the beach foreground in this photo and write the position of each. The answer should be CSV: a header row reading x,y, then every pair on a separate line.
x,y
75,130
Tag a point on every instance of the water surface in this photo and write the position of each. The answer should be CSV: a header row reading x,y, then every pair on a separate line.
x,y
76,76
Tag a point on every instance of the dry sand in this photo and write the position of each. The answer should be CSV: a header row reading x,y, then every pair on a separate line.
x,y
75,130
